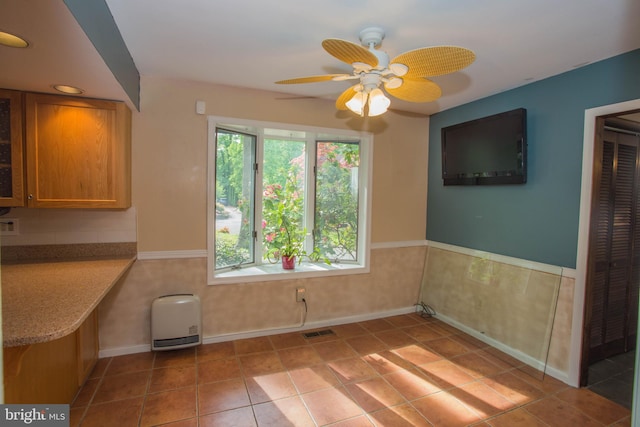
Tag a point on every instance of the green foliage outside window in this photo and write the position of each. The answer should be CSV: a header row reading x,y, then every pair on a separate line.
x,y
283,229
336,217
282,218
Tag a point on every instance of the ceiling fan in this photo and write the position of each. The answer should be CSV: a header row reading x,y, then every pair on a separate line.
x,y
404,77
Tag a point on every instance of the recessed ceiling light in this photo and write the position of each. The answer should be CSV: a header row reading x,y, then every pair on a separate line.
x,y
68,89
11,40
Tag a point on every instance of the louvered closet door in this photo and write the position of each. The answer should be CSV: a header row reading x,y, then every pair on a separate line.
x,y
617,267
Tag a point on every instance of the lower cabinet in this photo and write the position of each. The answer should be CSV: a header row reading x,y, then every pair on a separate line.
x,y
87,346
54,371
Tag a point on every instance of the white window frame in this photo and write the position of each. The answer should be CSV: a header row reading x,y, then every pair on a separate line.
x,y
271,272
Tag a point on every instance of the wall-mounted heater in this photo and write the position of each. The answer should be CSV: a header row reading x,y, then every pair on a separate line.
x,y
176,322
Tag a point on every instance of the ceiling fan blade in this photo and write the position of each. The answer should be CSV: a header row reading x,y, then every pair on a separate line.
x,y
312,79
349,52
341,102
343,77
416,90
435,61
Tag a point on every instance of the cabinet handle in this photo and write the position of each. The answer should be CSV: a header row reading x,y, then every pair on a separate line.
x,y
30,197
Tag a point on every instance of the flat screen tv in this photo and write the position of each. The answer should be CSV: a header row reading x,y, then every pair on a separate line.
x,y
487,151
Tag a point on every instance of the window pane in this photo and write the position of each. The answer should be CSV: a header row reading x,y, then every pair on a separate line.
x,y
235,181
336,214
283,200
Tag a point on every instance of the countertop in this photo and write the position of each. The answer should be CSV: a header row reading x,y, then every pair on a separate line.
x,y
44,301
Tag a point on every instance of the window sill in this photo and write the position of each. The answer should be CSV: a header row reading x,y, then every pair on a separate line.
x,y
271,272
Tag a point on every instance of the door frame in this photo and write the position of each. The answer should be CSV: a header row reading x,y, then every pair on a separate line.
x,y
588,147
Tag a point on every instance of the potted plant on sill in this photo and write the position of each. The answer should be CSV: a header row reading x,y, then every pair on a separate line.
x,y
284,235
292,249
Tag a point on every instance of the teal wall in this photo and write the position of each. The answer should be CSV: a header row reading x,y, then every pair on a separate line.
x,y
536,221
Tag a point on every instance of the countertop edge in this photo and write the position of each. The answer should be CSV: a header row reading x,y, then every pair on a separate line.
x,y
62,332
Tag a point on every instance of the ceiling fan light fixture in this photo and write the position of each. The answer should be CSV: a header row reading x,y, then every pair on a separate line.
x,y
378,103
357,103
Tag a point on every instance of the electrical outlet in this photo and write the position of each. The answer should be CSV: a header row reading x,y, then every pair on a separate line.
x,y
9,226
300,293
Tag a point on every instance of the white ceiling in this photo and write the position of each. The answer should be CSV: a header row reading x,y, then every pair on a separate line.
x,y
59,51
253,43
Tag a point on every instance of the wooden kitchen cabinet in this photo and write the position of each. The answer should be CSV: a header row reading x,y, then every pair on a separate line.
x,y
78,152
53,371
88,346
11,149
41,373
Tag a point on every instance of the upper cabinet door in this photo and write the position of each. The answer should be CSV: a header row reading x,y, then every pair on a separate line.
x,y
11,149
78,152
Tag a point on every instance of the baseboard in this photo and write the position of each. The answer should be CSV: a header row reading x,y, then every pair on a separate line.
x,y
121,351
524,358
142,348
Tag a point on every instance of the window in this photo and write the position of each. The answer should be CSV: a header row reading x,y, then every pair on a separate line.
x,y
270,184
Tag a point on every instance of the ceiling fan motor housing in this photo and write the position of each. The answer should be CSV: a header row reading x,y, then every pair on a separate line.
x,y
370,81
372,38
383,59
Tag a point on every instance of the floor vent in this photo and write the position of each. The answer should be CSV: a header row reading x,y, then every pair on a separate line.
x,y
318,333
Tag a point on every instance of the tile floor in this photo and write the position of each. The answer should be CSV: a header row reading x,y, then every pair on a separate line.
x,y
397,371
613,378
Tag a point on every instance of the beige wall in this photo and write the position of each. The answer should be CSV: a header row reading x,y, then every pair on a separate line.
x,y
393,284
169,194
170,159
